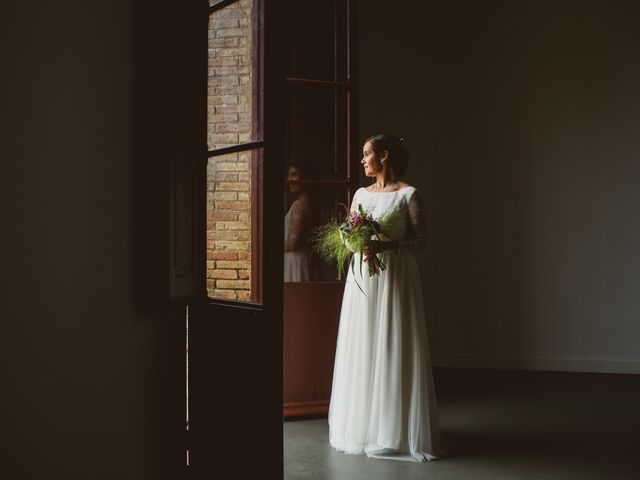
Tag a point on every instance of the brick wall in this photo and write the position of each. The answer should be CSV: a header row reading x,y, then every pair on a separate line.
x,y
228,176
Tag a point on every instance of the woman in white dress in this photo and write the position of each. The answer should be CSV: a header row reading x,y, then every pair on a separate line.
x,y
383,402
298,223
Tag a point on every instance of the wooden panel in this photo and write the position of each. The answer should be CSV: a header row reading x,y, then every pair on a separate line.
x,y
311,317
230,378
186,180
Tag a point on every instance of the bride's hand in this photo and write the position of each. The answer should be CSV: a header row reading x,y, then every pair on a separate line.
x,y
377,246
373,247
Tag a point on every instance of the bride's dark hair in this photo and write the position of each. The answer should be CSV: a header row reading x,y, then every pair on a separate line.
x,y
396,148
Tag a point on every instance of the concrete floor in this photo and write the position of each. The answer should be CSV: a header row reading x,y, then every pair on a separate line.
x,y
507,425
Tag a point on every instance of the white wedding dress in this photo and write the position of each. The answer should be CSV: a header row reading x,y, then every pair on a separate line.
x,y
383,402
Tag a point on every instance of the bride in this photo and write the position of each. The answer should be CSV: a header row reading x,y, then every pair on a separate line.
x,y
383,402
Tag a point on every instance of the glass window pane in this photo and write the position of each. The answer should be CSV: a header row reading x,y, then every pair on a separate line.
x,y
231,225
313,32
342,34
317,129
233,104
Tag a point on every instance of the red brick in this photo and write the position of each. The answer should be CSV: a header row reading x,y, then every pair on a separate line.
x,y
229,167
235,284
244,157
232,225
224,216
226,138
230,108
215,82
230,32
224,22
232,52
227,294
223,255
224,117
242,265
244,295
225,196
232,206
231,12
228,90
244,117
224,61
230,72
228,99
223,42
234,246
228,176
224,274
232,186
231,127
224,235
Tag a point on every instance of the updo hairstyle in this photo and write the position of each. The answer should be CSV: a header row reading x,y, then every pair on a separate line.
x,y
398,158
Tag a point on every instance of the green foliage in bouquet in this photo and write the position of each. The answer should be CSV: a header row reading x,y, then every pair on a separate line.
x,y
327,243
337,240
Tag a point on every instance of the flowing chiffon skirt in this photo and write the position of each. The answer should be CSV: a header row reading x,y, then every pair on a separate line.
x,y
383,401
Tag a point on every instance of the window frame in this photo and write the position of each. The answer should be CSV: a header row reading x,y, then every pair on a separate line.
x,y
348,85
256,164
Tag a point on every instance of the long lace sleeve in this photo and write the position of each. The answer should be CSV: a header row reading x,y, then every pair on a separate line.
x,y
298,226
417,231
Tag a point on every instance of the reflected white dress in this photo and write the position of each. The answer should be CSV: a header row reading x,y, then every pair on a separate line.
x,y
297,224
383,402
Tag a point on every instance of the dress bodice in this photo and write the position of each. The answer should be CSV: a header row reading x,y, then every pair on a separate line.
x,y
408,226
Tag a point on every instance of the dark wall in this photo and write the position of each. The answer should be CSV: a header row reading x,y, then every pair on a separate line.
x,y
522,117
89,384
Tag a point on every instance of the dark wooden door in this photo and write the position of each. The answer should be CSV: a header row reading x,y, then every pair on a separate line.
x,y
258,101
235,322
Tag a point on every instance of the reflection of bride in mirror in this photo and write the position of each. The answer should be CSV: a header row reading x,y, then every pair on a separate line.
x,y
298,223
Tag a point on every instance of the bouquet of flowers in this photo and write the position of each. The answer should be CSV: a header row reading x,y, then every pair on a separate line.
x,y
338,240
